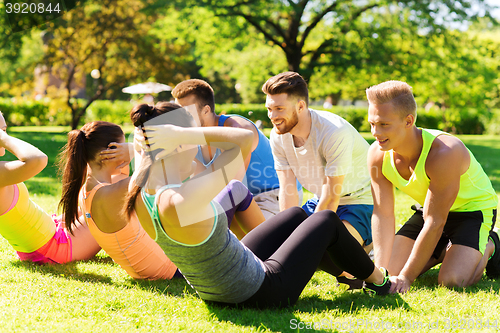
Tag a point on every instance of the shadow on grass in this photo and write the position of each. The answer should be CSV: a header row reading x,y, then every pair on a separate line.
x,y
269,319
351,302
345,304
276,319
68,271
177,287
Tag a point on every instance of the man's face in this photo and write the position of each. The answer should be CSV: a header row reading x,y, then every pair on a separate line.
x,y
190,103
282,111
387,125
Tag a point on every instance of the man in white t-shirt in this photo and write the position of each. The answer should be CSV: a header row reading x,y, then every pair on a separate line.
x,y
323,151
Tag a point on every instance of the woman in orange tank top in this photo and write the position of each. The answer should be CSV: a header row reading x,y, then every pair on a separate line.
x,y
98,188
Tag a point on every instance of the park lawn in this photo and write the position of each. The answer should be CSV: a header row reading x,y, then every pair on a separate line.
x,y
98,296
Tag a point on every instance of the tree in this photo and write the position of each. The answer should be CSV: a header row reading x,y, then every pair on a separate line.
x,y
291,24
110,36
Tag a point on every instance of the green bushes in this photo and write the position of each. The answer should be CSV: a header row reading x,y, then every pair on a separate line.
x,y
113,111
456,121
54,112
24,113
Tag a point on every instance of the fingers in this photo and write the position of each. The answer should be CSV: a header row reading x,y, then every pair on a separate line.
x,y
399,284
394,282
108,154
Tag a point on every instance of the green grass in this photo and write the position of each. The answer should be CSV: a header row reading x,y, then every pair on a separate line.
x,y
98,296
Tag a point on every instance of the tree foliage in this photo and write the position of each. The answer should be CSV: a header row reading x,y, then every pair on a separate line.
x,y
292,25
112,37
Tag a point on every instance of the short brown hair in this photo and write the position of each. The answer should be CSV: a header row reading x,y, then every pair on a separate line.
x,y
290,83
201,89
396,92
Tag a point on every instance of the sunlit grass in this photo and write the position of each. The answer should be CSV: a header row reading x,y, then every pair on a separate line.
x,y
98,296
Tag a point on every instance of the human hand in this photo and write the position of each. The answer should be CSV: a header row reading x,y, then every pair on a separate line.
x,y
399,284
164,137
117,151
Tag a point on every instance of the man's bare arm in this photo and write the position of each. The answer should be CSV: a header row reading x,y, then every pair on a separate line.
x,y
288,194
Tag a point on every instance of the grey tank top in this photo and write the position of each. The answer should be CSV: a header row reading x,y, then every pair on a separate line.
x,y
220,268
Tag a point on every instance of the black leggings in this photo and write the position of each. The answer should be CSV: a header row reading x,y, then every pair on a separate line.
x,y
291,245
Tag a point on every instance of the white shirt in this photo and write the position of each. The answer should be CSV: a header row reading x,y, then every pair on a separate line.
x,y
333,148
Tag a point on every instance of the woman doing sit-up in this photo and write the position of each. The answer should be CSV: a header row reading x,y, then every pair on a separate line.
x,y
273,262
90,179
31,231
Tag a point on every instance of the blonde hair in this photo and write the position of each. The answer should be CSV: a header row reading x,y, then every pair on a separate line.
x,y
397,93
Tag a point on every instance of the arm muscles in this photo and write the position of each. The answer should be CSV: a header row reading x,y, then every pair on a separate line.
x,y
383,219
443,189
330,193
288,195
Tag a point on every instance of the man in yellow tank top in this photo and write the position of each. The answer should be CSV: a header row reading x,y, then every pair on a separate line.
x,y
455,226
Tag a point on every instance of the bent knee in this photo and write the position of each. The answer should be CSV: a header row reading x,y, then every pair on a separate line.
x,y
450,279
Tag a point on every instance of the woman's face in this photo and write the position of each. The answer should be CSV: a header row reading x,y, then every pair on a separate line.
x,y
3,127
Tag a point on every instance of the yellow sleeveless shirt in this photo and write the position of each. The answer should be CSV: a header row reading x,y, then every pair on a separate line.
x,y
26,226
475,193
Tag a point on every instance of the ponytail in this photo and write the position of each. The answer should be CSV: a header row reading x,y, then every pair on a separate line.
x,y
73,166
139,115
83,147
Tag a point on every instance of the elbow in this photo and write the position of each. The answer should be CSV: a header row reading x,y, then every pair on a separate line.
x,y
39,162
246,143
43,160
433,224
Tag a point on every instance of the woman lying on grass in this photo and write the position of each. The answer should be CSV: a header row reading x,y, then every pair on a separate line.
x,y
32,232
97,184
273,263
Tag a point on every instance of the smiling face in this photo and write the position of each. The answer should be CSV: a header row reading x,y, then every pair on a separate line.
x,y
283,112
387,125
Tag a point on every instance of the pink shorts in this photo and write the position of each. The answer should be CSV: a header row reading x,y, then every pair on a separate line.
x,y
57,250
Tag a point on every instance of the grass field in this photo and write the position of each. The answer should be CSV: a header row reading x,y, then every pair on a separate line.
x,y
97,296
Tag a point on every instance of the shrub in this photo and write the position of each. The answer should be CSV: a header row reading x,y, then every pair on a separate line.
x,y
491,120
21,112
55,112
253,112
113,111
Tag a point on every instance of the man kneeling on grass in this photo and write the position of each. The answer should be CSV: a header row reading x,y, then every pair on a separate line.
x,y
455,226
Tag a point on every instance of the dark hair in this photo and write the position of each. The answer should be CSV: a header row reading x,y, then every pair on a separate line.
x,y
199,88
140,115
83,147
289,83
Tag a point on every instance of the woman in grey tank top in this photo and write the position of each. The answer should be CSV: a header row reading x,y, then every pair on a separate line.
x,y
273,263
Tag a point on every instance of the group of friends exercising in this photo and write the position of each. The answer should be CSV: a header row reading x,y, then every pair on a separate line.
x,y
213,200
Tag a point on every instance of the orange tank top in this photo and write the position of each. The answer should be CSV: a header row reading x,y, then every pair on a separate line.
x,y
131,247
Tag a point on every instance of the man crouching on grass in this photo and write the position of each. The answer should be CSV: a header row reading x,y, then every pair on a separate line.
x,y
455,226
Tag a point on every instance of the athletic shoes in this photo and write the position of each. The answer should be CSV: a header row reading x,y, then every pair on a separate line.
x,y
375,289
352,283
493,265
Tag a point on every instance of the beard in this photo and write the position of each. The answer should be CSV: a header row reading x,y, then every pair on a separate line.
x,y
288,125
